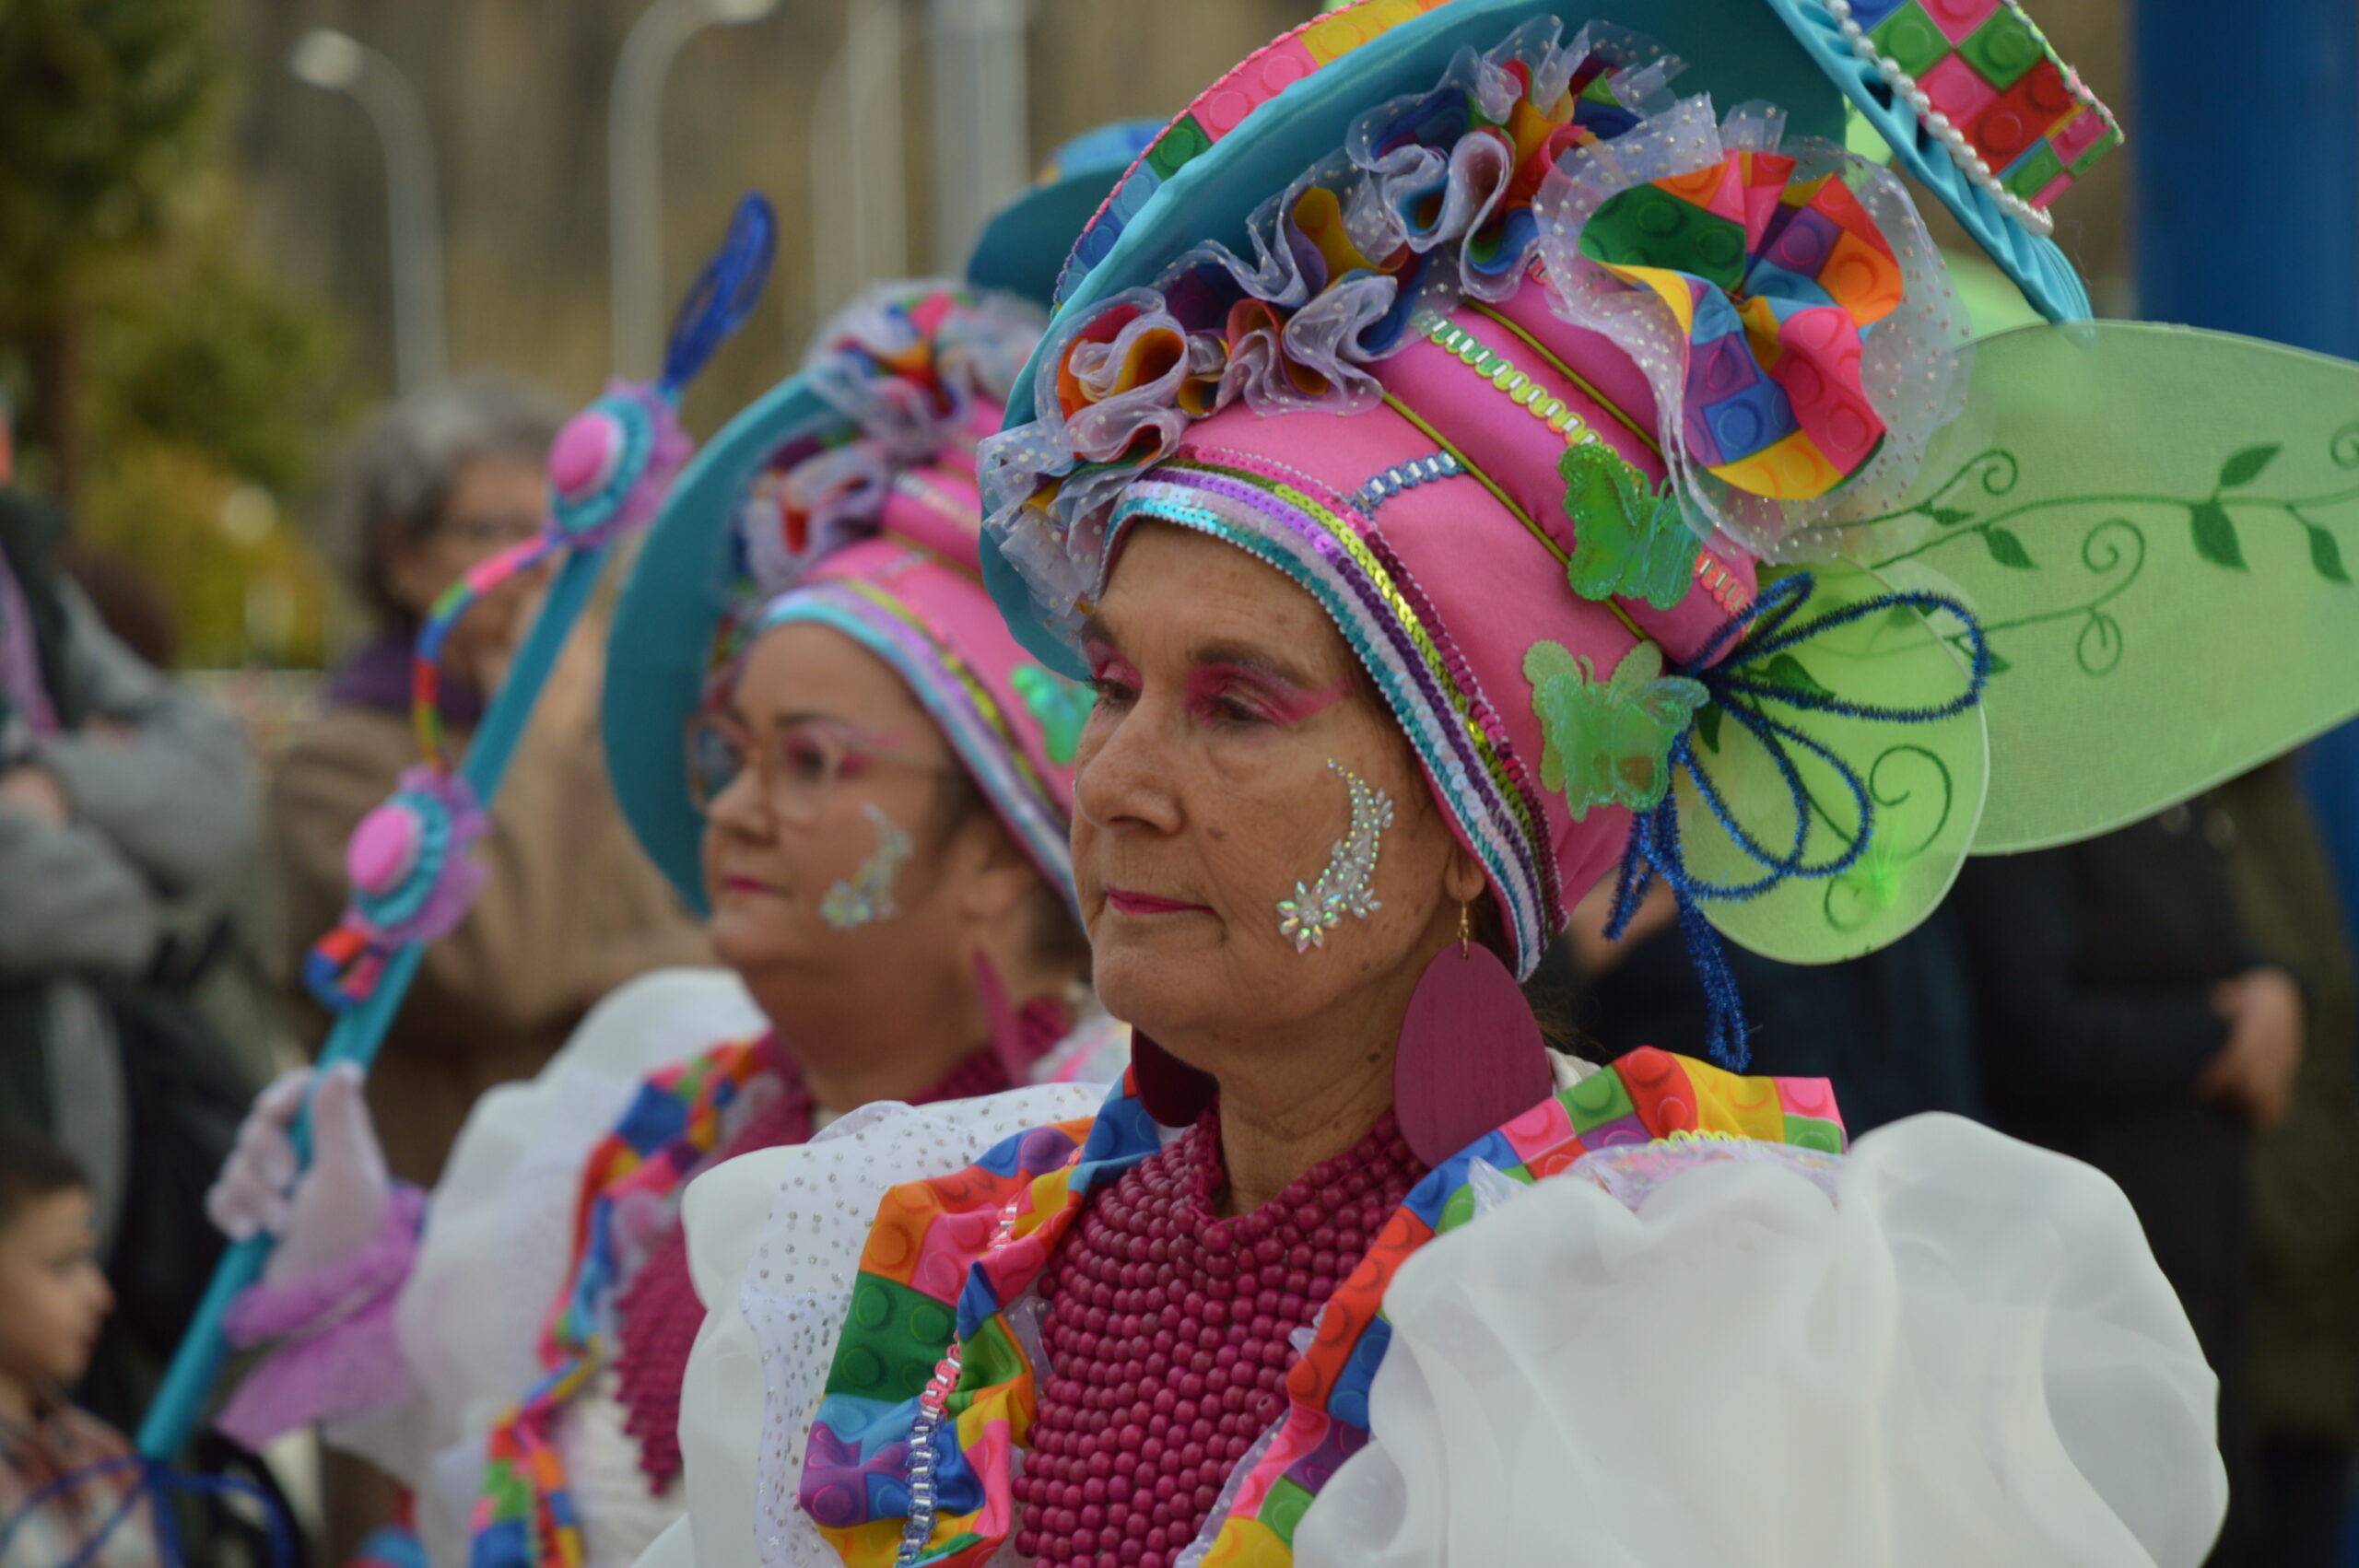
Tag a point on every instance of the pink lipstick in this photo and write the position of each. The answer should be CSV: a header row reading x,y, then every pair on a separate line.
x,y
1125,902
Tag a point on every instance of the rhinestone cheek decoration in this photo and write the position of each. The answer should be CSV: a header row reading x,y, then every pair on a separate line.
x,y
1345,883
866,896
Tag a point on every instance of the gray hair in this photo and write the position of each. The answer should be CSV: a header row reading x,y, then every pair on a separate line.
x,y
394,479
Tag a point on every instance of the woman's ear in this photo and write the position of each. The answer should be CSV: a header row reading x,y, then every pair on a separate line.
x,y
1463,878
1001,875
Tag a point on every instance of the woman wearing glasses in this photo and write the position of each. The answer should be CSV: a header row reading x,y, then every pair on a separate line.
x,y
870,805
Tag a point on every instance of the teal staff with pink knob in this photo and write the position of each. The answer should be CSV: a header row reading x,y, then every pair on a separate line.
x,y
412,876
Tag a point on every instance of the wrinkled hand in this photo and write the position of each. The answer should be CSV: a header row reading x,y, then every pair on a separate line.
x,y
336,1206
34,790
2254,1072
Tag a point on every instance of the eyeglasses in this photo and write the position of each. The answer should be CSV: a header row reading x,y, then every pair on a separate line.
x,y
797,766
484,534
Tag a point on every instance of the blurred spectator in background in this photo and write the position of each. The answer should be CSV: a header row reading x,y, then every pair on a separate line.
x,y
125,803
127,599
2129,1021
53,1299
231,937
2304,1295
1894,1032
571,909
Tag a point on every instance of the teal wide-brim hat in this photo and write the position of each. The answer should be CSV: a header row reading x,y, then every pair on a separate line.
x,y
688,588
1818,62
1808,57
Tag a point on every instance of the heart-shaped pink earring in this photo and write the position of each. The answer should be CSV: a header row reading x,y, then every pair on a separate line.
x,y
1471,1058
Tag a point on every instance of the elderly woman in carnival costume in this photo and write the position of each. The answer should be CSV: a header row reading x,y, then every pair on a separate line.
x,y
873,814
1563,459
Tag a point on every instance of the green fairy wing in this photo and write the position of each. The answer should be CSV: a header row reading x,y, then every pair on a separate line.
x,y
2156,527
1922,774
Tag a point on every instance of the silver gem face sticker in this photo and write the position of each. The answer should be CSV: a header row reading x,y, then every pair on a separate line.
x,y
1346,885
866,895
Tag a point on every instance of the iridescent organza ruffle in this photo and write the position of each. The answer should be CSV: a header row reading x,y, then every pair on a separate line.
x,y
1841,311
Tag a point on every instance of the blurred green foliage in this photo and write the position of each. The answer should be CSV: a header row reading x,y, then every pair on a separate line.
x,y
106,108
165,386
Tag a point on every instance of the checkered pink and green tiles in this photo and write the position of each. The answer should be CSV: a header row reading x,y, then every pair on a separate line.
x,y
1987,67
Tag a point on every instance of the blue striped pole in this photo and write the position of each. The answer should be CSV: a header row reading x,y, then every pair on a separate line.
x,y
180,1401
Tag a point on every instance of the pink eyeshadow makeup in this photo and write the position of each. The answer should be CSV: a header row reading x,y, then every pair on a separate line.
x,y
1268,697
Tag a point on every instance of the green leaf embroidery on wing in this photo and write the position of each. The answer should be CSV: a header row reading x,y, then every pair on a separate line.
x,y
2215,535
1059,706
2326,554
1708,727
1628,540
1785,669
1873,880
2007,550
1608,742
2244,467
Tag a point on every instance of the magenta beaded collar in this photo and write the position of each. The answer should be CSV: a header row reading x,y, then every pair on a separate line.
x,y
1168,1334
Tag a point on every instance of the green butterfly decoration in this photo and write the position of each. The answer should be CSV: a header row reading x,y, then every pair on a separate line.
x,y
1060,705
1609,741
1629,540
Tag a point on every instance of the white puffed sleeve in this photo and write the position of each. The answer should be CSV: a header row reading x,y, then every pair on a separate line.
x,y
774,1243
498,1238
1970,1357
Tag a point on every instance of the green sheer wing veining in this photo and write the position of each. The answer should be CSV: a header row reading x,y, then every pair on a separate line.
x,y
1922,778
2156,527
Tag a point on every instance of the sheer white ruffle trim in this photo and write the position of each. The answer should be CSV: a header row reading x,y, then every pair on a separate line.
x,y
1970,1357
498,1235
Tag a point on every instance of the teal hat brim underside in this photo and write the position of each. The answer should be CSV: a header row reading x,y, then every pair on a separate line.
x,y
671,609
1024,245
1735,50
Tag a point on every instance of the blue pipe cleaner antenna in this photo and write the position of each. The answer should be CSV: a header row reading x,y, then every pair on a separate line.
x,y
717,303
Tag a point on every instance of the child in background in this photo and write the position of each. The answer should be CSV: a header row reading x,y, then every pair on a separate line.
x,y
53,1299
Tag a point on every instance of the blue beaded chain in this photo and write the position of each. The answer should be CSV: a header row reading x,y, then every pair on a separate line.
x,y
1403,476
